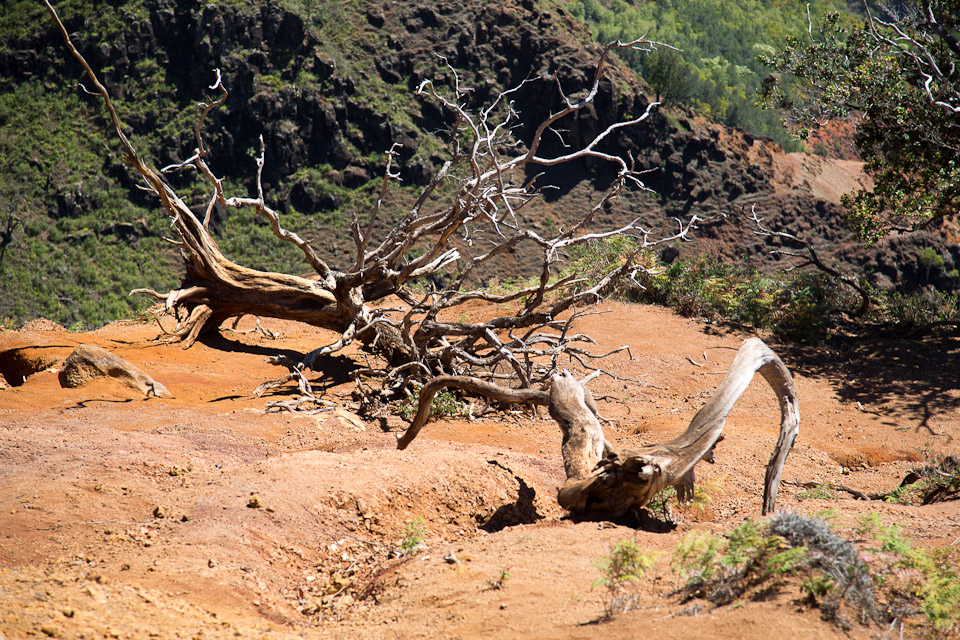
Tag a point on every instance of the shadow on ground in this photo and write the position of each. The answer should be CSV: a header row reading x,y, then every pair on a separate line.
x,y
887,371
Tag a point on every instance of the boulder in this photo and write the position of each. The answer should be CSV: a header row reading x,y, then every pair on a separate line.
x,y
89,362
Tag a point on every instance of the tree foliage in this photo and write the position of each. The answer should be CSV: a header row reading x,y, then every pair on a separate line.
x,y
714,67
896,75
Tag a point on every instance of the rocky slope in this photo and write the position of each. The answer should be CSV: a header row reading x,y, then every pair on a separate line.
x,y
330,88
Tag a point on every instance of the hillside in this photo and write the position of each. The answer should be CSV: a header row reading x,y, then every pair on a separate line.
x,y
128,518
330,88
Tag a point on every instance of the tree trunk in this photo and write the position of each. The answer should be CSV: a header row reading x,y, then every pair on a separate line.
x,y
603,482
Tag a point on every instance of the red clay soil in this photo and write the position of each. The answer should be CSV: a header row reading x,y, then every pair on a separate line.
x,y
203,516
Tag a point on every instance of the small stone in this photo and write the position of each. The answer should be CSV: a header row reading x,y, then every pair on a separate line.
x,y
158,512
254,502
451,558
50,631
211,563
68,613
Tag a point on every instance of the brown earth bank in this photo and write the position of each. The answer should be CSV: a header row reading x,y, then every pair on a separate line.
x,y
203,516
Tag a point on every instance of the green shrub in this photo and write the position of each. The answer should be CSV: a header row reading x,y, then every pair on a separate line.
x,y
795,306
929,576
622,568
765,554
930,259
914,309
445,403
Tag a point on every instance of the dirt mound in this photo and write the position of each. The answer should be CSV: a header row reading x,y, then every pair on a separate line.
x,y
130,517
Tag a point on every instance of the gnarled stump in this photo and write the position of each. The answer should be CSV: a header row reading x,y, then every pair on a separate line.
x,y
604,482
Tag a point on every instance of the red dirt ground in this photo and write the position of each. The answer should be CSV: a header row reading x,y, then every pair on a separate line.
x,y
202,516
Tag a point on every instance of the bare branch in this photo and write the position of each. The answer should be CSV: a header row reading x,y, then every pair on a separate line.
x,y
813,258
470,385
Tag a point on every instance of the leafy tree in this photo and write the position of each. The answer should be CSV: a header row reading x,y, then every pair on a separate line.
x,y
897,75
714,67
668,74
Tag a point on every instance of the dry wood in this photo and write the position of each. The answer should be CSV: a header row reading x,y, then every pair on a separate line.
x,y
470,385
603,481
488,174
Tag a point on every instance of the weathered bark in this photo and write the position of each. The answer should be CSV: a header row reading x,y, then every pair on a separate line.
x,y
489,173
602,481
470,385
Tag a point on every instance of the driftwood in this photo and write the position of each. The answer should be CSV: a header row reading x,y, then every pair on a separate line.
x,y
606,482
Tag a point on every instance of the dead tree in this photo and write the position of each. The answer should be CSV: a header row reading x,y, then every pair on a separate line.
x,y
811,258
486,173
602,481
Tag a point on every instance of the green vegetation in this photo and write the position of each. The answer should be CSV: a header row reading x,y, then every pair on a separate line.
x,y
796,306
496,584
714,67
897,79
892,580
722,570
699,503
413,537
75,236
819,492
445,403
930,577
622,568
937,481
80,263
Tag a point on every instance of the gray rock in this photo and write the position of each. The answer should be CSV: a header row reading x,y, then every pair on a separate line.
x,y
89,362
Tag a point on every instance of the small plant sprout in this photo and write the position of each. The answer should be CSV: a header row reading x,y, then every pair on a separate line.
x,y
495,584
413,537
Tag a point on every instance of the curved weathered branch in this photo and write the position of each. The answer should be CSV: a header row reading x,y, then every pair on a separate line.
x,y
629,480
603,481
470,385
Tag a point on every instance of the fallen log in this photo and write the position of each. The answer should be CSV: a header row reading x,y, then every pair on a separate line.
x,y
604,482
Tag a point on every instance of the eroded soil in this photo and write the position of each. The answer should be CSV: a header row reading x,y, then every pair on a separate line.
x,y
205,516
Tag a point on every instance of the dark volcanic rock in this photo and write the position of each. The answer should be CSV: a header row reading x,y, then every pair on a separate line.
x,y
332,89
